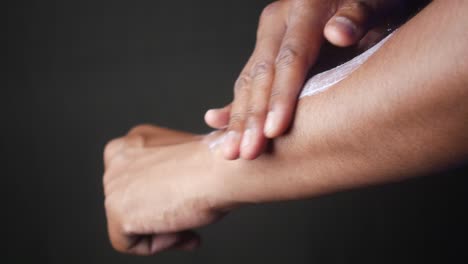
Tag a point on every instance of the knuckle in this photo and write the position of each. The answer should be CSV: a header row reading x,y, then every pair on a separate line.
x,y
242,83
275,92
255,112
305,7
119,156
140,129
270,10
261,70
236,119
287,56
360,6
283,96
112,182
128,227
300,6
112,147
118,161
135,140
118,215
251,110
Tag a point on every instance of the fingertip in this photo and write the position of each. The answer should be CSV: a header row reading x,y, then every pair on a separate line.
x,y
349,24
209,114
251,153
211,117
231,145
217,118
342,31
252,143
272,123
163,242
248,144
278,121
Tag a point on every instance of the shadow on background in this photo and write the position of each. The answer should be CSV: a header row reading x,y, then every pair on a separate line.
x,y
82,73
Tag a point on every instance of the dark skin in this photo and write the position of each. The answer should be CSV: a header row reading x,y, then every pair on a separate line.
x,y
289,38
403,113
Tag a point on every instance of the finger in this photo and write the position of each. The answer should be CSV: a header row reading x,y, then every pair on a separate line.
x,y
119,149
230,148
162,242
236,119
111,149
298,51
349,24
186,240
156,243
144,136
218,118
151,244
270,33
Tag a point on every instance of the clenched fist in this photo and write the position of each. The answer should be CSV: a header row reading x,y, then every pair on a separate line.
x,y
158,185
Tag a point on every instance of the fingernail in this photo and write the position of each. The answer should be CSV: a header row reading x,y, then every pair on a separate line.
x,y
270,123
247,139
348,25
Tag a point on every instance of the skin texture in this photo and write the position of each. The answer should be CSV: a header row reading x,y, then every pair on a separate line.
x,y
289,38
402,114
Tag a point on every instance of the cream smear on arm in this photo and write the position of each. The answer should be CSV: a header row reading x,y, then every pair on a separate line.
x,y
322,81
316,84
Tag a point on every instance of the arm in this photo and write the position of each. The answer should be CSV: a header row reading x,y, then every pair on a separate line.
x,y
289,38
402,113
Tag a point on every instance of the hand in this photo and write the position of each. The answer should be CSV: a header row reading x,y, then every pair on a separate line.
x,y
289,37
379,125
152,201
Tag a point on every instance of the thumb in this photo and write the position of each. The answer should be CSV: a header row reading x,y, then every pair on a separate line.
x,y
218,118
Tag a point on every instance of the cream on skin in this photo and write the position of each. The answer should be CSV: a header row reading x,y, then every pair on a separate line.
x,y
322,81
316,84
214,138
402,114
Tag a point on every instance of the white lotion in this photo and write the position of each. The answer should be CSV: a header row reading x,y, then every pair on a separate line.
x,y
318,83
322,81
214,138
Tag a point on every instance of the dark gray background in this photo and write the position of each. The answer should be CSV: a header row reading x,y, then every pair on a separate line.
x,y
80,73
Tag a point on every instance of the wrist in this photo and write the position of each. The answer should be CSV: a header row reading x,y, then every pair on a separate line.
x,y
313,158
281,173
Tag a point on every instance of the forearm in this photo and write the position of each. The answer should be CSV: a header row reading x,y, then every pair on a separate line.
x,y
402,113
